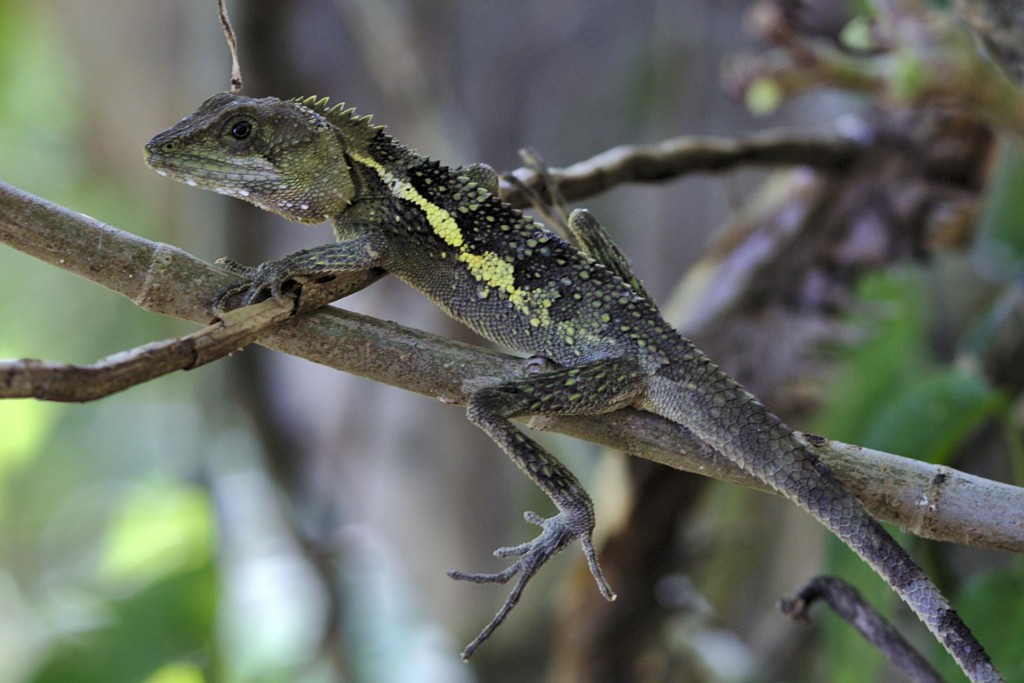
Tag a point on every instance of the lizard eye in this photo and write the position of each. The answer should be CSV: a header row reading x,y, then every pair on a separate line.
x,y
241,130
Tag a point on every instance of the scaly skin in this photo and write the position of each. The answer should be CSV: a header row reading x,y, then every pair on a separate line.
x,y
518,284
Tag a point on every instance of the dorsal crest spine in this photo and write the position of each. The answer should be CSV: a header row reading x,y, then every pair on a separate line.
x,y
337,114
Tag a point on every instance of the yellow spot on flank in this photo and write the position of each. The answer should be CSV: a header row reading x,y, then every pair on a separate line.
x,y
490,269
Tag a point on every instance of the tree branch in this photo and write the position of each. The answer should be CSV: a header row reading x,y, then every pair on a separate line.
x,y
164,279
686,154
851,607
31,378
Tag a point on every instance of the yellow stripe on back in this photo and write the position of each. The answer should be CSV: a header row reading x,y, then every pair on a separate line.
x,y
488,268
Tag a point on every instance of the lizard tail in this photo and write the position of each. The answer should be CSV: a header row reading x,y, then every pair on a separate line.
x,y
727,417
841,512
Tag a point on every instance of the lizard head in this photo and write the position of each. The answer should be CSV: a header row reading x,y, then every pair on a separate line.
x,y
281,156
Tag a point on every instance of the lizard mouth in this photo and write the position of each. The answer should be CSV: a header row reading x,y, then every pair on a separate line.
x,y
252,179
234,177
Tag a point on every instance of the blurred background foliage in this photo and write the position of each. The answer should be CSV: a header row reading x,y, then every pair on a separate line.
x,y
267,520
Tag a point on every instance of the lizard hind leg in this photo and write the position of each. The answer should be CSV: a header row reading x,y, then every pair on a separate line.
x,y
599,387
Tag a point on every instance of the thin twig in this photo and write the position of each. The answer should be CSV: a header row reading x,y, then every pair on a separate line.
x,y
852,608
31,378
229,36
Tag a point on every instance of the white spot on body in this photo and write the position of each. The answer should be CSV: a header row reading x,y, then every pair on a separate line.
x,y
243,193
191,183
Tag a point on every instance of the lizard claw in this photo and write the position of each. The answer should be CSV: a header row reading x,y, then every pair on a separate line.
x,y
558,532
260,282
220,304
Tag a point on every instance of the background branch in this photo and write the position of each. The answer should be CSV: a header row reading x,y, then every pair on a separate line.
x,y
686,154
853,609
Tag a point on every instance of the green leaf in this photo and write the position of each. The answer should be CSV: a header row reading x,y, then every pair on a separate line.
x,y
994,607
857,34
25,425
764,96
160,528
177,672
910,77
932,413
170,620
874,369
1000,224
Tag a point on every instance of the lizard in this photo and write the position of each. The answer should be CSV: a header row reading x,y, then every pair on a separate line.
x,y
447,233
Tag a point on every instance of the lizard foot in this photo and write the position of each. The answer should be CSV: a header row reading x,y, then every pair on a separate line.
x,y
258,283
558,532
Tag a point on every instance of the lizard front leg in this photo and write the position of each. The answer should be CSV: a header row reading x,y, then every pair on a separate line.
x,y
362,252
599,387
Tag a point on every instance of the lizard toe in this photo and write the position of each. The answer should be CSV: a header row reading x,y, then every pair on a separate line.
x,y
557,532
